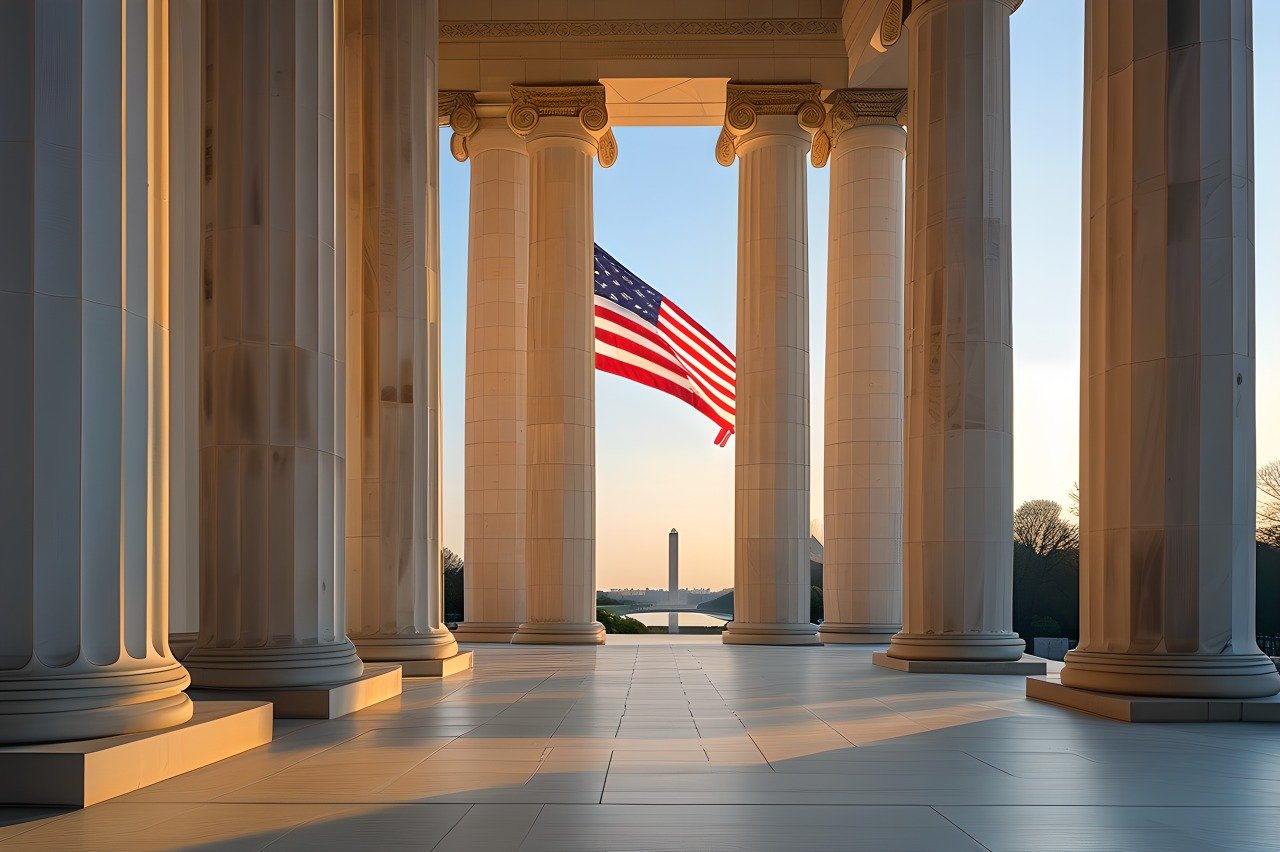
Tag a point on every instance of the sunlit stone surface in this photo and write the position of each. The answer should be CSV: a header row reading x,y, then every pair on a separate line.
x,y
958,466
394,585
646,744
272,366
497,307
767,128
1167,414
862,461
84,349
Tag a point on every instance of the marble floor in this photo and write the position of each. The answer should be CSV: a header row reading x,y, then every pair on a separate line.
x,y
683,743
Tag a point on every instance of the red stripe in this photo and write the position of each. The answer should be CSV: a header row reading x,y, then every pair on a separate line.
x,y
628,371
640,327
692,323
725,382
711,361
648,354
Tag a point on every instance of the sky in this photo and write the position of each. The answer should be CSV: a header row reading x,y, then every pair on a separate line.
x,y
668,212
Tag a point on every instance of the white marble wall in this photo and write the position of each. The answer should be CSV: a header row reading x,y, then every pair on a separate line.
x,y
84,337
560,485
1167,414
393,343
771,447
862,558
958,463
497,303
272,428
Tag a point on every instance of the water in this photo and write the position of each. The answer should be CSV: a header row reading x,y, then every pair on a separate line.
x,y
687,619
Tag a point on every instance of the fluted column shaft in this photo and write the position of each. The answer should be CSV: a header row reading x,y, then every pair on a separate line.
x,y
1167,410
272,359
771,451
497,304
862,463
560,487
84,337
394,590
958,465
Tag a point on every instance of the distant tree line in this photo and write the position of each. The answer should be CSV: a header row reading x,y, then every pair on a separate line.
x,y
1046,570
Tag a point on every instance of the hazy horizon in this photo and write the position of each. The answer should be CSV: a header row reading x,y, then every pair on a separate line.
x,y
668,212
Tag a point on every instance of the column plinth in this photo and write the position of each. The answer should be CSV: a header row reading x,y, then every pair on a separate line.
x,y
1168,358
272,360
768,129
497,308
958,411
565,128
84,336
862,552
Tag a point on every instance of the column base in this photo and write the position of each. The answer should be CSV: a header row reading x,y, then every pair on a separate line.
x,y
406,650
1025,665
458,663
839,633
556,633
83,773
959,647
744,633
323,701
180,644
1147,708
1209,676
101,703
486,631
273,667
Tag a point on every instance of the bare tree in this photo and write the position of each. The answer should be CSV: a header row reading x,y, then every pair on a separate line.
x,y
1073,498
1039,526
1269,503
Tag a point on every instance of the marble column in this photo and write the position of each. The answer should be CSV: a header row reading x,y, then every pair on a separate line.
x,y
84,337
862,463
769,128
272,535
497,303
183,219
1167,410
565,128
393,550
958,462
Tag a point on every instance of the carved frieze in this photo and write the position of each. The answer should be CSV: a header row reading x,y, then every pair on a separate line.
x,y
745,102
530,104
763,27
854,108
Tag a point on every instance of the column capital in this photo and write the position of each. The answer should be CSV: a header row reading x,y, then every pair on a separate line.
x,y
917,5
745,103
856,108
458,110
586,102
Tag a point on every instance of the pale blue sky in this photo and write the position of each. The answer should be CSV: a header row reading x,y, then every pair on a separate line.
x,y
668,212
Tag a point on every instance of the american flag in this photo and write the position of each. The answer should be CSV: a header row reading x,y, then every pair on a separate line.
x,y
643,336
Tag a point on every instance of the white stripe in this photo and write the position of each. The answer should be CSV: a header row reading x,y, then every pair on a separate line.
x,y
610,351
606,324
688,360
673,313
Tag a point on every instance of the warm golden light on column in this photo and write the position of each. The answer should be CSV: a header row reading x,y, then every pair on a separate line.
x,y
565,128
1168,356
272,573
393,546
768,129
862,550
84,337
958,463
497,305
